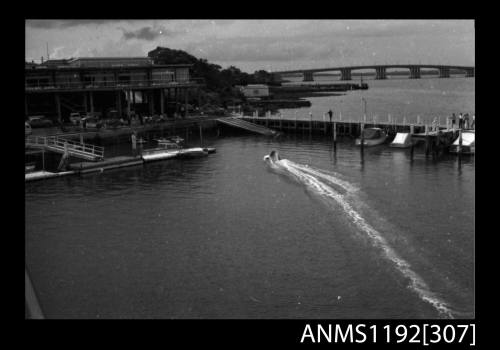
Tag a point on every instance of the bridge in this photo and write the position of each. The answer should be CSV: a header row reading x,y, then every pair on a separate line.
x,y
380,70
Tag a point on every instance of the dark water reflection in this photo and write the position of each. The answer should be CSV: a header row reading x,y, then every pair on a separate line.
x,y
224,237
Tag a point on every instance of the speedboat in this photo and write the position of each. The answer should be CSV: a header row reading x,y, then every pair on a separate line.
x,y
372,137
272,157
468,143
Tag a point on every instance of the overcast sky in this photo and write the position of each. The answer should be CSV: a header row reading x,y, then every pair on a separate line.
x,y
261,44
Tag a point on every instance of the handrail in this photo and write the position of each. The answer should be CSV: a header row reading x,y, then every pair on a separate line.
x,y
63,144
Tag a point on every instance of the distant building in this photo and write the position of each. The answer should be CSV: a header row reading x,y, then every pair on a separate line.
x,y
30,65
54,63
97,62
62,86
255,91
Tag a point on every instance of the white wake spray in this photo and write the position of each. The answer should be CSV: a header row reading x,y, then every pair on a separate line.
x,y
311,178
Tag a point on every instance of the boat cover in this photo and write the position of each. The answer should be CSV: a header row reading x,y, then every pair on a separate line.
x,y
371,133
468,139
402,139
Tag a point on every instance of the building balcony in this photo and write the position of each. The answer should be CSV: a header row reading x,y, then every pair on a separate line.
x,y
112,85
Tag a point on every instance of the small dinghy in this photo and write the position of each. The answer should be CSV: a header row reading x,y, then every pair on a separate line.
x,y
402,140
195,152
29,168
372,137
468,143
209,150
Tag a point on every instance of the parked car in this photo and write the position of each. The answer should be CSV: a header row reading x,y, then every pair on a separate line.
x,y
27,129
92,122
113,114
113,122
40,121
75,118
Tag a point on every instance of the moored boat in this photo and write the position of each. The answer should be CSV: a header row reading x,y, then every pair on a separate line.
x,y
468,143
372,137
402,140
29,168
209,150
192,152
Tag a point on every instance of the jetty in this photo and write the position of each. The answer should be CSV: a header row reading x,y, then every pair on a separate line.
x,y
248,125
436,136
65,146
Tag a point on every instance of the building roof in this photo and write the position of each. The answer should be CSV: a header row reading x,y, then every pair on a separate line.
x,y
80,63
256,86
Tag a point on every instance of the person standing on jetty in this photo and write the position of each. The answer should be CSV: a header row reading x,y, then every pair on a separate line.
x,y
453,120
330,115
466,121
473,125
134,143
460,121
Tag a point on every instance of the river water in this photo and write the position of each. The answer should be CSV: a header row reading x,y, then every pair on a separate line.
x,y
318,235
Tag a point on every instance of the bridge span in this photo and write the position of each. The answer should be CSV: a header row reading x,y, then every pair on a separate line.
x,y
380,71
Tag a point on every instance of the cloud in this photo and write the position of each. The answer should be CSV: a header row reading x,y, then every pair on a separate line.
x,y
66,23
148,33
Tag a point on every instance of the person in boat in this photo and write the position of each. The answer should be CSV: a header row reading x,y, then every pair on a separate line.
x,y
273,156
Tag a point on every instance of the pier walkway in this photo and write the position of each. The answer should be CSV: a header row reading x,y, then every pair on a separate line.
x,y
246,125
350,126
59,145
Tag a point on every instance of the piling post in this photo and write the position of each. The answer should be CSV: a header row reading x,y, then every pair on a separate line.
x,y
334,136
201,135
310,122
58,107
412,150
426,140
460,144
362,143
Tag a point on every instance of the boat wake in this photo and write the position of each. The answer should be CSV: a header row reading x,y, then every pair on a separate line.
x,y
331,187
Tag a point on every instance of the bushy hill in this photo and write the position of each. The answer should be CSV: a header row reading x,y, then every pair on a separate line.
x,y
216,79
